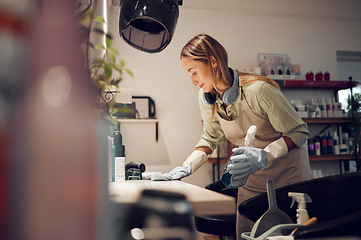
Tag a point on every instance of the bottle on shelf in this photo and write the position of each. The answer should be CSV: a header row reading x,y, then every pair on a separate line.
x,y
314,174
320,174
319,76
311,76
326,76
312,108
339,109
334,108
311,147
317,145
336,146
329,108
329,143
324,144
323,108
315,109
318,111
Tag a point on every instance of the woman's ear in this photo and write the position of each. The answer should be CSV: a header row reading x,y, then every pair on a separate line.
x,y
214,62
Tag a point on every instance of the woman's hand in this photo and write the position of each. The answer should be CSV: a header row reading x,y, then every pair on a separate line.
x,y
245,161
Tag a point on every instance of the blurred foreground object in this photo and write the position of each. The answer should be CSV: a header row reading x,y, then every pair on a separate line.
x,y
14,18
159,215
55,173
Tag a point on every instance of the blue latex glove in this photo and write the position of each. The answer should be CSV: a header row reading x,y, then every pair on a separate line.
x,y
245,161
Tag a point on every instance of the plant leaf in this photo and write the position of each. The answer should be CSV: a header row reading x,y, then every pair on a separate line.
x,y
113,50
107,72
100,47
108,42
112,56
122,63
85,21
89,13
129,72
99,19
102,84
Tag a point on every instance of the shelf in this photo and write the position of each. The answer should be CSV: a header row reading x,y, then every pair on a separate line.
x,y
343,157
142,120
138,120
327,120
303,84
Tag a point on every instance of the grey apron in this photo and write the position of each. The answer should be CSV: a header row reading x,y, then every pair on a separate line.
x,y
292,168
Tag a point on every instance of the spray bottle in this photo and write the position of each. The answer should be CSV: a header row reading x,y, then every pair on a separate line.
x,y
227,178
302,199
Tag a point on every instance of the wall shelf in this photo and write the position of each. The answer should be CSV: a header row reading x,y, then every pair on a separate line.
x,y
303,84
337,120
142,120
341,157
138,120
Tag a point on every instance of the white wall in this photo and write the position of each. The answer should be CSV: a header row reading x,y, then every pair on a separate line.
x,y
310,32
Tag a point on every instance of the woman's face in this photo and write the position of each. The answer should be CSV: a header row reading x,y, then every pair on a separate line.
x,y
201,73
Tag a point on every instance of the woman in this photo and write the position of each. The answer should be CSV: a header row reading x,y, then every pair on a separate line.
x,y
229,108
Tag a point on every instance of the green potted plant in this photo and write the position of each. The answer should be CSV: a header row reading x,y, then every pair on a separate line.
x,y
354,106
106,72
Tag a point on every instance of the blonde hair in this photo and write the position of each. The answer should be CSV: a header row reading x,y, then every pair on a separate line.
x,y
202,47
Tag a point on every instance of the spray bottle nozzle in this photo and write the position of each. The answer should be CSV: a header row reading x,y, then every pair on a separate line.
x,y
251,133
301,198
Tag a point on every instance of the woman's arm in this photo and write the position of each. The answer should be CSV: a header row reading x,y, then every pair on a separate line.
x,y
269,101
207,150
290,144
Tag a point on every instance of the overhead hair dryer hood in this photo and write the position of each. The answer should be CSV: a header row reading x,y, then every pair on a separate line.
x,y
148,25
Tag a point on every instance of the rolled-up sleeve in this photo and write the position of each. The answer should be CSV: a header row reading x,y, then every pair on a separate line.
x,y
212,129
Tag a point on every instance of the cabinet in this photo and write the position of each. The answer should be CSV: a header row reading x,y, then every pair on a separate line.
x,y
299,85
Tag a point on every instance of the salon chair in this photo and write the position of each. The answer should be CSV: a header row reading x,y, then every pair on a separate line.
x,y
336,203
222,225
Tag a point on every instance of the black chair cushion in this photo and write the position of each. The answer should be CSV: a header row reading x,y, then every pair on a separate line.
x,y
222,225
219,187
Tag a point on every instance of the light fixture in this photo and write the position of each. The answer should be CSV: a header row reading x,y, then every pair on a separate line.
x,y
148,25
